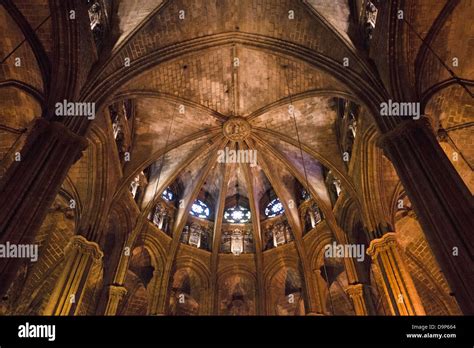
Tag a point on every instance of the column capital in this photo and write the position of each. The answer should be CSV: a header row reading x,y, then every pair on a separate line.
x,y
355,290
381,244
116,294
117,291
362,301
404,128
401,293
66,136
85,247
60,132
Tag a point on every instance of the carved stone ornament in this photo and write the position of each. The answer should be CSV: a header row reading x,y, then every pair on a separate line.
x,y
236,129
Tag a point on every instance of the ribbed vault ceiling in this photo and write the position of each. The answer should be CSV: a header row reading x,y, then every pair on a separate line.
x,y
161,127
182,104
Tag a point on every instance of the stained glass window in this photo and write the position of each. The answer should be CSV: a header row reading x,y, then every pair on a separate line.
x,y
200,209
274,208
237,214
167,194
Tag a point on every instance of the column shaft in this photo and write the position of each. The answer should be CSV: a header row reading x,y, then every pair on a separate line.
x,y
361,298
399,288
30,185
441,200
116,294
81,255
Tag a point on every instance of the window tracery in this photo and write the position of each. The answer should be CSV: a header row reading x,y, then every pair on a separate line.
x,y
274,208
237,214
200,209
168,195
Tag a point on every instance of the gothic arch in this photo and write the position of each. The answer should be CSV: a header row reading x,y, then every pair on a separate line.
x,y
236,292
195,302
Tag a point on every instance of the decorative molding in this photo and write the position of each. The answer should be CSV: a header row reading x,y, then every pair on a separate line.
x,y
355,290
85,247
236,129
117,291
381,244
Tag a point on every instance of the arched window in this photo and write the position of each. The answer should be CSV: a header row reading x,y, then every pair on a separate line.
x,y
237,215
167,194
274,208
200,209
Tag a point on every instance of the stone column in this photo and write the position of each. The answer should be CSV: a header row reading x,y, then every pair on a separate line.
x,y
155,291
30,185
360,296
80,256
398,286
441,200
116,294
321,288
311,298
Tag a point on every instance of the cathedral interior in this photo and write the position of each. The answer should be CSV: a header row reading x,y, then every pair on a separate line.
x,y
233,157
